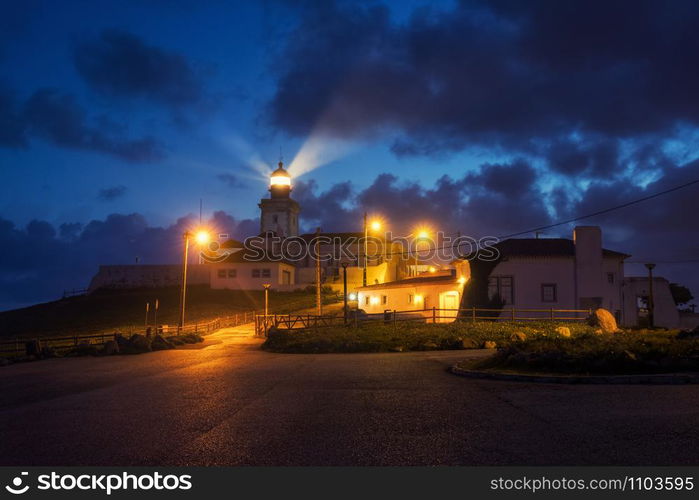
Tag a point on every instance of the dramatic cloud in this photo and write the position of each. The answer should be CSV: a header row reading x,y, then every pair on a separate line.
x,y
121,64
39,262
530,77
111,193
58,118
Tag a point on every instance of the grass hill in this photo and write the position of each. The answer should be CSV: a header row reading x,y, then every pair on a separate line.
x,y
108,310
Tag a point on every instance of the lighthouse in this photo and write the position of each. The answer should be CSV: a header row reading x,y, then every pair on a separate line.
x,y
279,214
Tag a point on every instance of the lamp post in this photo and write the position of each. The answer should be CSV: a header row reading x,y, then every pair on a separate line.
x,y
266,286
202,237
344,288
366,233
651,318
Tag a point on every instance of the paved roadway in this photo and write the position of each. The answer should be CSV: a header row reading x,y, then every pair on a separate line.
x,y
229,403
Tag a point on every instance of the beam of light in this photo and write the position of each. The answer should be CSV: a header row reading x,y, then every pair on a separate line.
x,y
250,158
318,151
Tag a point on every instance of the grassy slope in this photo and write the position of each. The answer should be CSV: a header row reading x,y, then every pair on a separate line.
x,y
120,309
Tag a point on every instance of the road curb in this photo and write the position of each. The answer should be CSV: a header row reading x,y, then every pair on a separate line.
x,y
650,379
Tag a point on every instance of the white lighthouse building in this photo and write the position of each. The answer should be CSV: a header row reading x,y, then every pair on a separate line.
x,y
279,214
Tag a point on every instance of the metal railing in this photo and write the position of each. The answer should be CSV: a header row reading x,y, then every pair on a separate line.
x,y
26,345
263,323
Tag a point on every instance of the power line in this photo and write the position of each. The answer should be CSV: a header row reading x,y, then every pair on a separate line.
x,y
567,221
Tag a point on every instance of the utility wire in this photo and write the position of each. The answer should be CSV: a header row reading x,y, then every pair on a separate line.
x,y
567,221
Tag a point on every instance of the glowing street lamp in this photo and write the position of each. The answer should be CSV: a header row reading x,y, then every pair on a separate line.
x,y
201,237
375,226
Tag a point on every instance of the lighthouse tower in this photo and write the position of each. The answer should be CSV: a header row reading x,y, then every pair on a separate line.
x,y
279,213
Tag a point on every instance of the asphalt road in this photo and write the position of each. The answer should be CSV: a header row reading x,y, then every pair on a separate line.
x,y
228,403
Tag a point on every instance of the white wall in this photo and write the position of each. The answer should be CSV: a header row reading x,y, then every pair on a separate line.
x,y
243,279
665,309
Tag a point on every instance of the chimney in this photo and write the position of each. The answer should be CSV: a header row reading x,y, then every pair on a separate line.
x,y
588,266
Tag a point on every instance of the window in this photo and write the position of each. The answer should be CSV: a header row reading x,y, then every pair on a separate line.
x,y
384,299
548,292
366,300
411,298
610,278
501,287
286,277
255,273
232,273
221,273
275,218
266,273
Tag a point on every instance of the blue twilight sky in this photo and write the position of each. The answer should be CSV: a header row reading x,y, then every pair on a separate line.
x,y
116,118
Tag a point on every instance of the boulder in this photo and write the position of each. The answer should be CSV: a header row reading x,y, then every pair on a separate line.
x,y
469,343
136,344
398,348
109,348
563,331
429,345
159,343
85,349
489,344
122,342
518,336
604,320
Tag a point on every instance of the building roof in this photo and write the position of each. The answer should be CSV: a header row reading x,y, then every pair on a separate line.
x,y
432,279
544,247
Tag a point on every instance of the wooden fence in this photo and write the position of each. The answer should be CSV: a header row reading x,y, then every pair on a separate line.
x,y
434,315
20,346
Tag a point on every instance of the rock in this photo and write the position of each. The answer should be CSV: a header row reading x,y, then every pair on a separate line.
x,y
160,344
398,348
489,344
136,344
122,342
469,343
85,349
49,352
599,331
109,348
429,345
563,331
518,336
604,320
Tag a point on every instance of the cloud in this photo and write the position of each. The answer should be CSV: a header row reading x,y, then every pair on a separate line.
x,y
231,181
514,76
121,64
111,193
58,118
40,261
12,126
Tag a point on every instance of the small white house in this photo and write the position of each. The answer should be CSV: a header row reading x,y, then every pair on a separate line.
x,y
558,273
441,290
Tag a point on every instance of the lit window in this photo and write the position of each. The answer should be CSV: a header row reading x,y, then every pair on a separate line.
x,y
221,273
548,292
232,273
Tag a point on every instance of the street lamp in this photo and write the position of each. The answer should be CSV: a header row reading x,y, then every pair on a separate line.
x,y
201,237
375,226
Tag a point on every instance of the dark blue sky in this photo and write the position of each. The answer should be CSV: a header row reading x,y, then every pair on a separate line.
x,y
483,117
